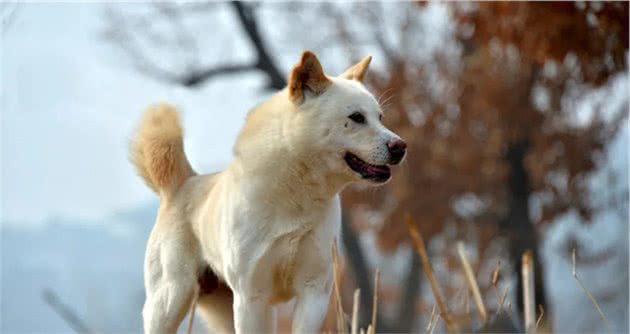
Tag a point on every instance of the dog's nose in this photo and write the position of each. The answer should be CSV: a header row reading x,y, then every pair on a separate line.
x,y
397,149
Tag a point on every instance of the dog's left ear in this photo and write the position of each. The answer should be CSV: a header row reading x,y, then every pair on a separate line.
x,y
358,70
309,75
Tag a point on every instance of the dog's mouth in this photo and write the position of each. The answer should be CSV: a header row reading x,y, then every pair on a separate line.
x,y
375,173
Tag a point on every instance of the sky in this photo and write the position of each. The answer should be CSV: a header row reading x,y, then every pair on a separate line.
x,y
69,107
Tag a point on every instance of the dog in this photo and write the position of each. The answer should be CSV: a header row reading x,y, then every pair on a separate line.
x,y
260,233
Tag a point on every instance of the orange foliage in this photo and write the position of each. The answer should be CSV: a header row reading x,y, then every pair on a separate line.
x,y
459,143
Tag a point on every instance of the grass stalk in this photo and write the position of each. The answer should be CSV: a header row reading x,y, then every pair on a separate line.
x,y
341,322
587,292
472,283
418,243
529,299
354,329
372,328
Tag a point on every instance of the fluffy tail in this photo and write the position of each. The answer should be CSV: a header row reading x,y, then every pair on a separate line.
x,y
157,150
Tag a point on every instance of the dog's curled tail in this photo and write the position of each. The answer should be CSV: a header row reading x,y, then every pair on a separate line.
x,y
157,150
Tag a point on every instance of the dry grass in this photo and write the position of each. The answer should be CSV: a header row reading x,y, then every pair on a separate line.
x,y
472,283
587,292
416,237
372,328
529,292
437,320
453,323
355,312
440,310
541,310
431,320
496,274
502,300
341,322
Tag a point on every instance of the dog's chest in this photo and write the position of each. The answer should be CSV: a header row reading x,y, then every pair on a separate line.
x,y
283,262
263,246
285,257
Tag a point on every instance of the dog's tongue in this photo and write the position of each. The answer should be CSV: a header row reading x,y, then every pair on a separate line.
x,y
372,169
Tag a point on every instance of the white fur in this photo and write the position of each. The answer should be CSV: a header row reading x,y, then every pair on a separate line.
x,y
275,206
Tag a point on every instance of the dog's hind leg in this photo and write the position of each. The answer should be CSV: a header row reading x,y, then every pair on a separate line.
x,y
166,307
217,309
171,268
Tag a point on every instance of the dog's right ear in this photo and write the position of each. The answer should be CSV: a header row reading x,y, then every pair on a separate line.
x,y
309,75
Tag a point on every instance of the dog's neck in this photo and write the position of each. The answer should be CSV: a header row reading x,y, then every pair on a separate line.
x,y
268,159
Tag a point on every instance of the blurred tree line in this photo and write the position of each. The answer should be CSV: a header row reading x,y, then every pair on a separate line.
x,y
501,132
494,138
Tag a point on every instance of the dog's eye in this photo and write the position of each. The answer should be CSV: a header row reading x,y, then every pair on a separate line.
x,y
380,117
357,117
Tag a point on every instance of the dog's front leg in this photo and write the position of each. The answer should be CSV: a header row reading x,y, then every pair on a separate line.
x,y
311,307
253,315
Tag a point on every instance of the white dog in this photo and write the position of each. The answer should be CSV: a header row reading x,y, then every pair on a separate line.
x,y
260,233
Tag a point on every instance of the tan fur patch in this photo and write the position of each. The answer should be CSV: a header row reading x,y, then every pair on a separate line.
x,y
357,71
284,272
158,150
307,74
283,282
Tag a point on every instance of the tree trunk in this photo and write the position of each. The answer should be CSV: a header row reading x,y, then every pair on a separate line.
x,y
359,268
410,292
518,226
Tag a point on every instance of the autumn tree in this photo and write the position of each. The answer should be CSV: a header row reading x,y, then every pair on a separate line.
x,y
561,51
490,123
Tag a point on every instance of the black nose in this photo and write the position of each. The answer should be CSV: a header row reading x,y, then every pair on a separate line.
x,y
396,149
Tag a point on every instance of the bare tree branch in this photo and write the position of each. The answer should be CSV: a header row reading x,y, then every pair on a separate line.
x,y
184,37
124,32
197,77
265,63
121,32
377,32
8,11
64,311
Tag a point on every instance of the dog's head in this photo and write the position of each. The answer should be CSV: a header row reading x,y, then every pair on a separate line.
x,y
343,121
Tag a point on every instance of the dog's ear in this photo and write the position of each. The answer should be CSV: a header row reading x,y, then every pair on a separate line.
x,y
309,75
358,70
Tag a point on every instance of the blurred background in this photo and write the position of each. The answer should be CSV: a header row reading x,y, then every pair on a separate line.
x,y
516,115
